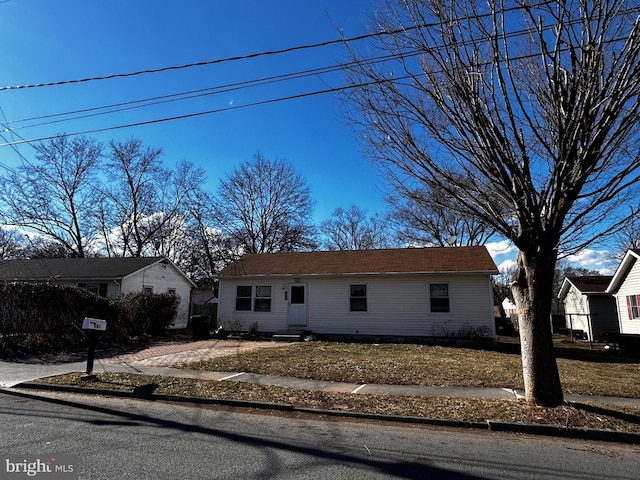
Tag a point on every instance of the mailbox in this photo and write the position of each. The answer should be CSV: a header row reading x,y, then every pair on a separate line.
x,y
94,324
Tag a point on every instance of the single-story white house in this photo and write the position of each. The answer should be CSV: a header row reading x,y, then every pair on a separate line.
x,y
588,307
625,287
108,277
413,292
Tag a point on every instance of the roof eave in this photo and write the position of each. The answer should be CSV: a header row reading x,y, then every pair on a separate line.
x,y
355,274
627,262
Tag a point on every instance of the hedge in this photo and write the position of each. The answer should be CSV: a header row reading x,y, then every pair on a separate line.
x,y
36,317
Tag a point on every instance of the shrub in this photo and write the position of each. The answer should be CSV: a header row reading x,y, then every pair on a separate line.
x,y
148,313
38,317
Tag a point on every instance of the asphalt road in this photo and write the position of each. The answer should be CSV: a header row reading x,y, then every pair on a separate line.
x,y
135,439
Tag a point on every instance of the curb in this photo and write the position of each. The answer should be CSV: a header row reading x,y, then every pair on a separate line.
x,y
489,425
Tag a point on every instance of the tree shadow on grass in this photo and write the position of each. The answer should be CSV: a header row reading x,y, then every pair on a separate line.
x,y
599,410
568,352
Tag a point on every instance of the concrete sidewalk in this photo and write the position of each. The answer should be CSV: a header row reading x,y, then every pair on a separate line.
x,y
162,359
356,389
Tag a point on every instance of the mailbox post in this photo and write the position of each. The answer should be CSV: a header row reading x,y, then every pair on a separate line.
x,y
93,326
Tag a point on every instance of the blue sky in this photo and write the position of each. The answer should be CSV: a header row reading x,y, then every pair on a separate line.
x,y
49,41
52,41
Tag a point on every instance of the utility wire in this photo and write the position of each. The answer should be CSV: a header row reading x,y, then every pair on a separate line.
x,y
191,115
199,64
259,103
262,54
189,95
245,85
141,103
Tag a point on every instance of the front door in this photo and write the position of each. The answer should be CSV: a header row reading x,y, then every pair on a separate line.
x,y
297,305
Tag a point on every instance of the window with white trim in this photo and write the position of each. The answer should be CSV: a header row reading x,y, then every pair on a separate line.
x,y
439,297
243,297
358,297
633,306
253,298
262,300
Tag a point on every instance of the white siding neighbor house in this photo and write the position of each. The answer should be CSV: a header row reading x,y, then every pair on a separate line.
x,y
417,292
108,277
588,308
625,287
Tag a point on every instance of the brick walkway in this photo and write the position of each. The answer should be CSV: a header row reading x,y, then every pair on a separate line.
x,y
179,353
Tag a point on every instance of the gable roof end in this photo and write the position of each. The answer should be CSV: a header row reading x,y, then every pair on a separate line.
x,y
627,262
98,268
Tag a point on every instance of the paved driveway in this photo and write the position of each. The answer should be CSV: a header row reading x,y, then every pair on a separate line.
x,y
164,354
177,354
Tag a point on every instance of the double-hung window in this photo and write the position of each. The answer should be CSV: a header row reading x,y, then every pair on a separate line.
x,y
633,306
243,297
256,298
439,297
262,300
358,298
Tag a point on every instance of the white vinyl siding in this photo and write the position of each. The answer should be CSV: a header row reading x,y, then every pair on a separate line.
x,y
594,314
161,278
629,286
397,305
576,308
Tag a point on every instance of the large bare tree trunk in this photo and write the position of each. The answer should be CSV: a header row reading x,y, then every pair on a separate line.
x,y
532,291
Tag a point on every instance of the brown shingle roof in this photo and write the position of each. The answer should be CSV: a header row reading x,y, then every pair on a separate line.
x,y
408,260
591,284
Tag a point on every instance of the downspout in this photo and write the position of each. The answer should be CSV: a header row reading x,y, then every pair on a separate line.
x,y
119,284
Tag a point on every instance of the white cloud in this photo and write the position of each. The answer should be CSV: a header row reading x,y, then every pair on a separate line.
x,y
507,266
592,259
503,247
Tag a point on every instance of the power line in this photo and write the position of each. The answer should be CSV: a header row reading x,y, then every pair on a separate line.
x,y
190,115
199,64
238,85
261,54
253,104
188,95
141,103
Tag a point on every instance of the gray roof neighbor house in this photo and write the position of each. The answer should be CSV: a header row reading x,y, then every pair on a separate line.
x,y
108,277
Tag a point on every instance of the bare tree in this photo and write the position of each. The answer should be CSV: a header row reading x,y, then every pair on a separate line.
x,y
265,206
627,237
11,243
538,104
212,249
56,195
426,217
140,213
352,230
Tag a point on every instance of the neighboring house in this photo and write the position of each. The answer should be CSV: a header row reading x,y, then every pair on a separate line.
x,y
108,277
625,287
416,292
587,306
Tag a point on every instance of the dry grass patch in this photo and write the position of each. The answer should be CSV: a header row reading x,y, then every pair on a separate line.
x,y
395,364
620,419
406,364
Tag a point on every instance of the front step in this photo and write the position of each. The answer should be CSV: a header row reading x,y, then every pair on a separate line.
x,y
290,335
